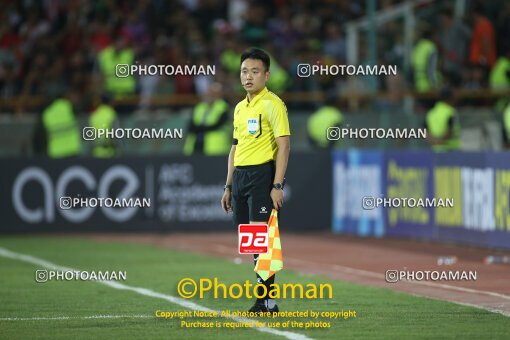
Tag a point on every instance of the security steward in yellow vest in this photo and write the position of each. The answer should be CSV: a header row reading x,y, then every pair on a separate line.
x,y
320,121
104,117
258,158
424,60
279,78
62,133
500,74
500,77
441,122
208,132
114,63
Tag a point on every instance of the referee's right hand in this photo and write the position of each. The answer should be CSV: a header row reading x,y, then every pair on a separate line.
x,y
226,201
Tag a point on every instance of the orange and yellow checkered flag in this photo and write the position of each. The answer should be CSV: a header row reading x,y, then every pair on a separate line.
x,y
270,263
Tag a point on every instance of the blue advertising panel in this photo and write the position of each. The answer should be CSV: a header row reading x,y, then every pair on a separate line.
x,y
467,177
500,162
356,175
476,183
409,175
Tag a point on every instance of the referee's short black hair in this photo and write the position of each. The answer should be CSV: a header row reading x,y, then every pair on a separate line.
x,y
256,53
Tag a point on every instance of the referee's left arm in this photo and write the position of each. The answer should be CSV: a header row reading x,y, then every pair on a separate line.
x,y
279,122
282,158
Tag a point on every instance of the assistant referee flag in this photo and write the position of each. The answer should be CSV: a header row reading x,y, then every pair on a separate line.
x,y
270,263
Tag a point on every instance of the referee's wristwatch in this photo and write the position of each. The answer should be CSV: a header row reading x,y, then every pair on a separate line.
x,y
278,186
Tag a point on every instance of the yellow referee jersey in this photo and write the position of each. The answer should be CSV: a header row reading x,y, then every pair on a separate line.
x,y
256,125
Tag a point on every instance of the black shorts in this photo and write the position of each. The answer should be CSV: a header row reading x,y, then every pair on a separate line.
x,y
251,193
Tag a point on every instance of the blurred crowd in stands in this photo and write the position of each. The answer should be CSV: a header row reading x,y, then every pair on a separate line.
x,y
50,47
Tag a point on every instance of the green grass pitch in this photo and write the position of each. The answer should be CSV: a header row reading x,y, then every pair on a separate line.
x,y
381,313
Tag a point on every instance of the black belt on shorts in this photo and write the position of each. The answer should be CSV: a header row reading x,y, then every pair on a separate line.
x,y
241,167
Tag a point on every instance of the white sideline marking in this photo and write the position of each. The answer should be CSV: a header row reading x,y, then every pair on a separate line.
x,y
80,317
370,274
424,283
490,309
376,275
147,292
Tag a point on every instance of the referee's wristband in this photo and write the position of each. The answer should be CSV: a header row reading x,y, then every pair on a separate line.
x,y
228,186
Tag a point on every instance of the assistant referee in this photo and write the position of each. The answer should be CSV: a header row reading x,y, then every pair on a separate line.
x,y
258,158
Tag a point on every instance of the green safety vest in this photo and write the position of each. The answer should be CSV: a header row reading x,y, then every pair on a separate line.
x,y
103,118
320,121
506,120
216,142
498,77
499,80
62,131
230,60
278,80
437,124
108,61
419,59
